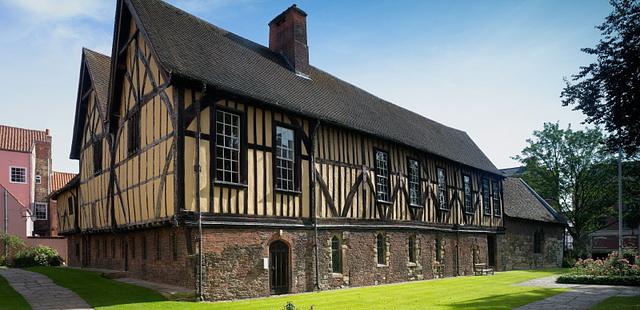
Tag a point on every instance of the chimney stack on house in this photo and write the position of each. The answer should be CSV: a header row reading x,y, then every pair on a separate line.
x,y
288,36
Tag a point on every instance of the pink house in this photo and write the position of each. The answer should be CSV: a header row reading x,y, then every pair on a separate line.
x,y
26,180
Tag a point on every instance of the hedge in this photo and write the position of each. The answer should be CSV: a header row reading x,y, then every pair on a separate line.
x,y
603,280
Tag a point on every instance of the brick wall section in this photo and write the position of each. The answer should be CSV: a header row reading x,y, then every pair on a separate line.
x,y
234,258
164,269
515,248
41,191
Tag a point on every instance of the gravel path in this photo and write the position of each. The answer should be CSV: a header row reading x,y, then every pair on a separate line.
x,y
579,297
40,291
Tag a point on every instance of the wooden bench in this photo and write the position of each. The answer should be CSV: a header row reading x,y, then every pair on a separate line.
x,y
482,269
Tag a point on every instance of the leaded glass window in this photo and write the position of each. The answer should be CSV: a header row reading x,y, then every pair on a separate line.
x,y
414,182
382,176
442,189
495,194
285,159
486,202
227,147
468,198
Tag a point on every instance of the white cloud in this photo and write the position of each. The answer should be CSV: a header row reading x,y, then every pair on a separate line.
x,y
63,9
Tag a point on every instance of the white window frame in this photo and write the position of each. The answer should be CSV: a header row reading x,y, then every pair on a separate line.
x,y
383,184
35,211
11,174
285,161
414,183
233,175
38,179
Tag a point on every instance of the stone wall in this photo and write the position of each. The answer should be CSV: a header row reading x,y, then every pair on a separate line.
x,y
158,263
234,258
516,248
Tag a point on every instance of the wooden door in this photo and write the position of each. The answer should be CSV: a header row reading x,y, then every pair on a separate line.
x,y
279,267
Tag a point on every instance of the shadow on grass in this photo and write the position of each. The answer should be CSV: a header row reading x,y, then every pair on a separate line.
x,y
97,290
507,301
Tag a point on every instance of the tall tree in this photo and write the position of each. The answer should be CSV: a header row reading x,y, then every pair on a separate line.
x,y
564,167
608,90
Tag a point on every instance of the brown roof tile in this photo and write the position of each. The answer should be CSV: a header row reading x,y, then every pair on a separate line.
x,y
60,179
20,139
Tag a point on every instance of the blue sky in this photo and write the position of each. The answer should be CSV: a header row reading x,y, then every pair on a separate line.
x,y
491,68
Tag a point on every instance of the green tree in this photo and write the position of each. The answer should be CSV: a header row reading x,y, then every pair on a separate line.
x,y
564,167
608,90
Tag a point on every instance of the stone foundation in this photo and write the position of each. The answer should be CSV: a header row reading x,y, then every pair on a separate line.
x,y
234,258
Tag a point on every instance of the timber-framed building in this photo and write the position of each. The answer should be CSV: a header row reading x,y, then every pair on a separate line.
x,y
299,180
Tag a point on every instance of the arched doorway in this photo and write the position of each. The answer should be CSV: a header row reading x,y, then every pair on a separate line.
x,y
279,267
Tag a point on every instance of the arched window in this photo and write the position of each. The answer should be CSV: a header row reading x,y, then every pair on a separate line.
x,y
336,255
382,249
438,250
412,249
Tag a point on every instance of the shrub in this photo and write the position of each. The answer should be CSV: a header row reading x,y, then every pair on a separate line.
x,y
38,256
605,280
613,265
14,245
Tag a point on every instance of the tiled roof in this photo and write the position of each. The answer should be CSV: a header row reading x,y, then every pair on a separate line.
x,y
72,183
60,179
99,66
20,139
189,47
521,201
513,172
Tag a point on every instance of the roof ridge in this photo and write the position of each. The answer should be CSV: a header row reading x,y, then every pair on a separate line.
x,y
94,52
26,129
544,202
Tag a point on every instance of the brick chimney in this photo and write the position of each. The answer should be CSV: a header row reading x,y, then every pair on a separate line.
x,y
288,36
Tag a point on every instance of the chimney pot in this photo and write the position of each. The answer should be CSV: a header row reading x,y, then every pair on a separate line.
x,y
288,36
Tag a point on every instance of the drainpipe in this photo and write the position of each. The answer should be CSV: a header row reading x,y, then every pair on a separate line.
x,y
197,169
6,223
312,202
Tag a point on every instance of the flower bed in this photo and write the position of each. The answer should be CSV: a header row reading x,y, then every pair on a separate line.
x,y
614,270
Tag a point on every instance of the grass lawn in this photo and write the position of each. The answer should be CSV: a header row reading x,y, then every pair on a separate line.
x,y
490,292
619,303
9,298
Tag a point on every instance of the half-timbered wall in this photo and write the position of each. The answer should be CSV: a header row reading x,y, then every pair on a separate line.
x,y
67,205
256,196
94,181
345,172
345,166
143,176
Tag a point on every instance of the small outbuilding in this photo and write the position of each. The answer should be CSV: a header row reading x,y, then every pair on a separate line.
x,y
534,231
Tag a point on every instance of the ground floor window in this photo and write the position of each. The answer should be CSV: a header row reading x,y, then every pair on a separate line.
x,y
411,247
336,255
438,249
381,246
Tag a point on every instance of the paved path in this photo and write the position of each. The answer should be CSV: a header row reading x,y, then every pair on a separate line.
x,y
580,296
40,291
